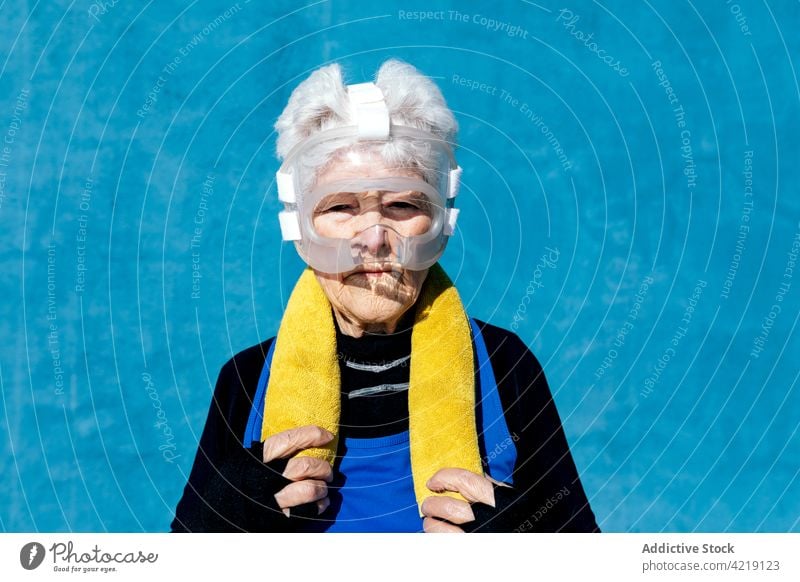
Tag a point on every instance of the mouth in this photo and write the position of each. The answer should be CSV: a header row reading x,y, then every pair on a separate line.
x,y
376,271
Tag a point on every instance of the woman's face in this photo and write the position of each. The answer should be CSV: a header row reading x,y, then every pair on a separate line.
x,y
375,295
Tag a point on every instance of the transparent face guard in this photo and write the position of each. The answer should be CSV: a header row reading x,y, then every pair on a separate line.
x,y
360,213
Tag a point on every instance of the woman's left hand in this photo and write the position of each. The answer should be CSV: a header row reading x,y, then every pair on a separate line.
x,y
473,487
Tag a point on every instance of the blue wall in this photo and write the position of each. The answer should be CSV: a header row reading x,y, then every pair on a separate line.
x,y
630,209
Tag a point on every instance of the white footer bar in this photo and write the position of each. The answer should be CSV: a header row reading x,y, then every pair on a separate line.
x,y
401,557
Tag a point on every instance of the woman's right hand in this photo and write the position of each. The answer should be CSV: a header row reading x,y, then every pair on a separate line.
x,y
310,475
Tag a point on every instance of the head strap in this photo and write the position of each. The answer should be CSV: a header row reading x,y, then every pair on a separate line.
x,y
369,111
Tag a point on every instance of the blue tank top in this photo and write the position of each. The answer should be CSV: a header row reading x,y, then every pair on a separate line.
x,y
373,490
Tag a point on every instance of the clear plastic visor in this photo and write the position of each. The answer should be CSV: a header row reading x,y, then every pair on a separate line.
x,y
377,222
370,204
344,208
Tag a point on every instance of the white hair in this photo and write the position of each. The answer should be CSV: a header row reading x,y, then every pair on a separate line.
x,y
412,99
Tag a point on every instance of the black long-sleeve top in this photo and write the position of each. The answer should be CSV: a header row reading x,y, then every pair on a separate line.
x,y
231,489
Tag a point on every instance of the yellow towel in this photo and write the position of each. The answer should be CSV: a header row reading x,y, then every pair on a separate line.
x,y
304,383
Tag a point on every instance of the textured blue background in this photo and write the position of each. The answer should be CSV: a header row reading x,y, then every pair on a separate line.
x,y
97,175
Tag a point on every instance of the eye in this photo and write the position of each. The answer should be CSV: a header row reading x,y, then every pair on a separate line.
x,y
403,205
338,208
336,204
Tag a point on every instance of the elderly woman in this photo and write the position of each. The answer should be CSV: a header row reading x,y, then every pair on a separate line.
x,y
380,406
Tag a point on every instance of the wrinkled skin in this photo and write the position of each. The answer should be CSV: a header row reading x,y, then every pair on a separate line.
x,y
364,301
310,475
471,486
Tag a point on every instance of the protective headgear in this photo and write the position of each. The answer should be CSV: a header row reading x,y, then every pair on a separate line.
x,y
401,218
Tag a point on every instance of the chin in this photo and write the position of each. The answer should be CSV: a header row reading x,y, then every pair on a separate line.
x,y
373,307
373,299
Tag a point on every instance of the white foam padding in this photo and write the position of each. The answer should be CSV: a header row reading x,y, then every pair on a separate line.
x,y
455,182
285,184
290,224
451,217
369,110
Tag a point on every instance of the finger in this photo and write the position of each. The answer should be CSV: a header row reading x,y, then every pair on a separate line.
x,y
447,508
293,440
433,525
308,510
471,486
298,468
301,492
496,482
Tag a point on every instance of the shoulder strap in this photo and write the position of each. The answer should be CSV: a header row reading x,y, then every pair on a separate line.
x,y
499,447
253,430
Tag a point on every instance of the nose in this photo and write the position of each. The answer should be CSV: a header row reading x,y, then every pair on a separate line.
x,y
371,242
